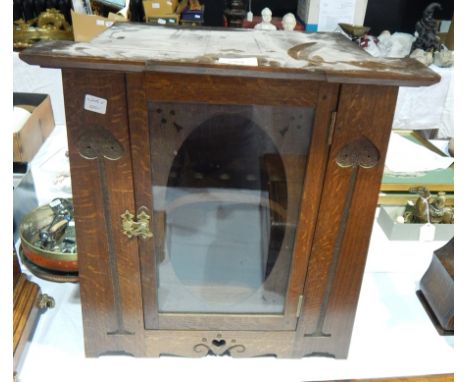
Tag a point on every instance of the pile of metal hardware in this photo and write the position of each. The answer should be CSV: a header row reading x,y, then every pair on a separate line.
x,y
59,234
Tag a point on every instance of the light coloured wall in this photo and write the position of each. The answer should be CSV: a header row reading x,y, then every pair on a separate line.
x,y
33,79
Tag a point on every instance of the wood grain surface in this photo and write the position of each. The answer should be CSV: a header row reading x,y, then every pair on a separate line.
x,y
327,57
223,90
345,221
25,310
102,191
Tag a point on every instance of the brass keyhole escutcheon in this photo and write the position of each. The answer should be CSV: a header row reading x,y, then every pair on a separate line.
x,y
139,227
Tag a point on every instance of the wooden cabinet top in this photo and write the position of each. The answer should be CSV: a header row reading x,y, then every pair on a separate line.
x,y
327,57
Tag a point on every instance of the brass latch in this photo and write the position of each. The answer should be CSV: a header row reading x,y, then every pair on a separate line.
x,y
139,227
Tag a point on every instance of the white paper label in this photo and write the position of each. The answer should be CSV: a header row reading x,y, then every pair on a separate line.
x,y
161,21
246,61
95,104
100,23
197,16
332,12
156,5
427,232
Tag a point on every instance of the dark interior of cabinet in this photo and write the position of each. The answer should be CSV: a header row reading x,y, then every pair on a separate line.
x,y
227,182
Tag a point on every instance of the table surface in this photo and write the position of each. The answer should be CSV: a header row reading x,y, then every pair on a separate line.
x,y
392,335
246,52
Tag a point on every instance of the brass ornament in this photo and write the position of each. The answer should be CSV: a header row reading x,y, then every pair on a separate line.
x,y
97,142
359,153
136,228
50,25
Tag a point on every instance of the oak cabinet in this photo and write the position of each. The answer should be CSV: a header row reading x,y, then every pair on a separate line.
x,y
223,208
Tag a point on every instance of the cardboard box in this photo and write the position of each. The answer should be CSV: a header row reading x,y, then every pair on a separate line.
x,y
28,139
86,27
400,231
157,8
164,20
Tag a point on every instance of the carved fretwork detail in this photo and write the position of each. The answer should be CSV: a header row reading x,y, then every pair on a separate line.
x,y
218,347
360,152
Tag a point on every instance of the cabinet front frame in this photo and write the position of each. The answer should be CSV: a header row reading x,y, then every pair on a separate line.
x,y
158,87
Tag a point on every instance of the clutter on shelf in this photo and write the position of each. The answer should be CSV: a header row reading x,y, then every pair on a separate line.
x,y
48,243
425,45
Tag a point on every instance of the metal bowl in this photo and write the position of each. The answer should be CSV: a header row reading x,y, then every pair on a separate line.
x,y
354,31
51,259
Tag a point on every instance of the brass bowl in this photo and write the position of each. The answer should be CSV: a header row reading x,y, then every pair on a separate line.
x,y
355,31
29,229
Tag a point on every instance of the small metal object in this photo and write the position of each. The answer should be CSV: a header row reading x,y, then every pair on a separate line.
x,y
45,302
299,306
139,227
52,234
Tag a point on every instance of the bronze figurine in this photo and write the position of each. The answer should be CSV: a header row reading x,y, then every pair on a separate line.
x,y
426,30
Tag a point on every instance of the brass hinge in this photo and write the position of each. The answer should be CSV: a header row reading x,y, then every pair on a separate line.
x,y
299,306
331,128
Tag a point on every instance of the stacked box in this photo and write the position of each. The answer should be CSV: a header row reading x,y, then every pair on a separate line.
x,y
162,12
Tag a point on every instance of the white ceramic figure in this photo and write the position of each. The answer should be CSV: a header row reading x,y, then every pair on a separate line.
x,y
400,45
266,24
396,45
444,58
289,22
422,56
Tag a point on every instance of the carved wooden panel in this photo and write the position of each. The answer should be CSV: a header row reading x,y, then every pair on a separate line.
x,y
351,186
102,184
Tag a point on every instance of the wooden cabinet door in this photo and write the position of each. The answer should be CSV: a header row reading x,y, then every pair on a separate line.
x,y
229,172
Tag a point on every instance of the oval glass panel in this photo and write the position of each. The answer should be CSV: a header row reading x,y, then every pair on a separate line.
x,y
227,184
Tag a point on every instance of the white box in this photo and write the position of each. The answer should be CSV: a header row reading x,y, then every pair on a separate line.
x,y
400,231
324,15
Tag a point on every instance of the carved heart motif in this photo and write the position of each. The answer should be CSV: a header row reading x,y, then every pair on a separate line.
x,y
218,343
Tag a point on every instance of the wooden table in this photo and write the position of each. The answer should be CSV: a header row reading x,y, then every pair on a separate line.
x,y
222,208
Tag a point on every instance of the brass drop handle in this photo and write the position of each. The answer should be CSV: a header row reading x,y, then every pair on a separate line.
x,y
139,227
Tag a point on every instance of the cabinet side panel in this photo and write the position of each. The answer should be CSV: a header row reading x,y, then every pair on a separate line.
x,y
346,216
102,184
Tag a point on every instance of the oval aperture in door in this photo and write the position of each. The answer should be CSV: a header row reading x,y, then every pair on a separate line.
x,y
219,215
227,184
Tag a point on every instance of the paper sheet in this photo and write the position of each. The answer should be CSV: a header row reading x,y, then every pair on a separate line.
x,y
406,156
333,12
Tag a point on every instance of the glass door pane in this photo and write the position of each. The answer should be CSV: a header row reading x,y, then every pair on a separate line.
x,y
227,183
